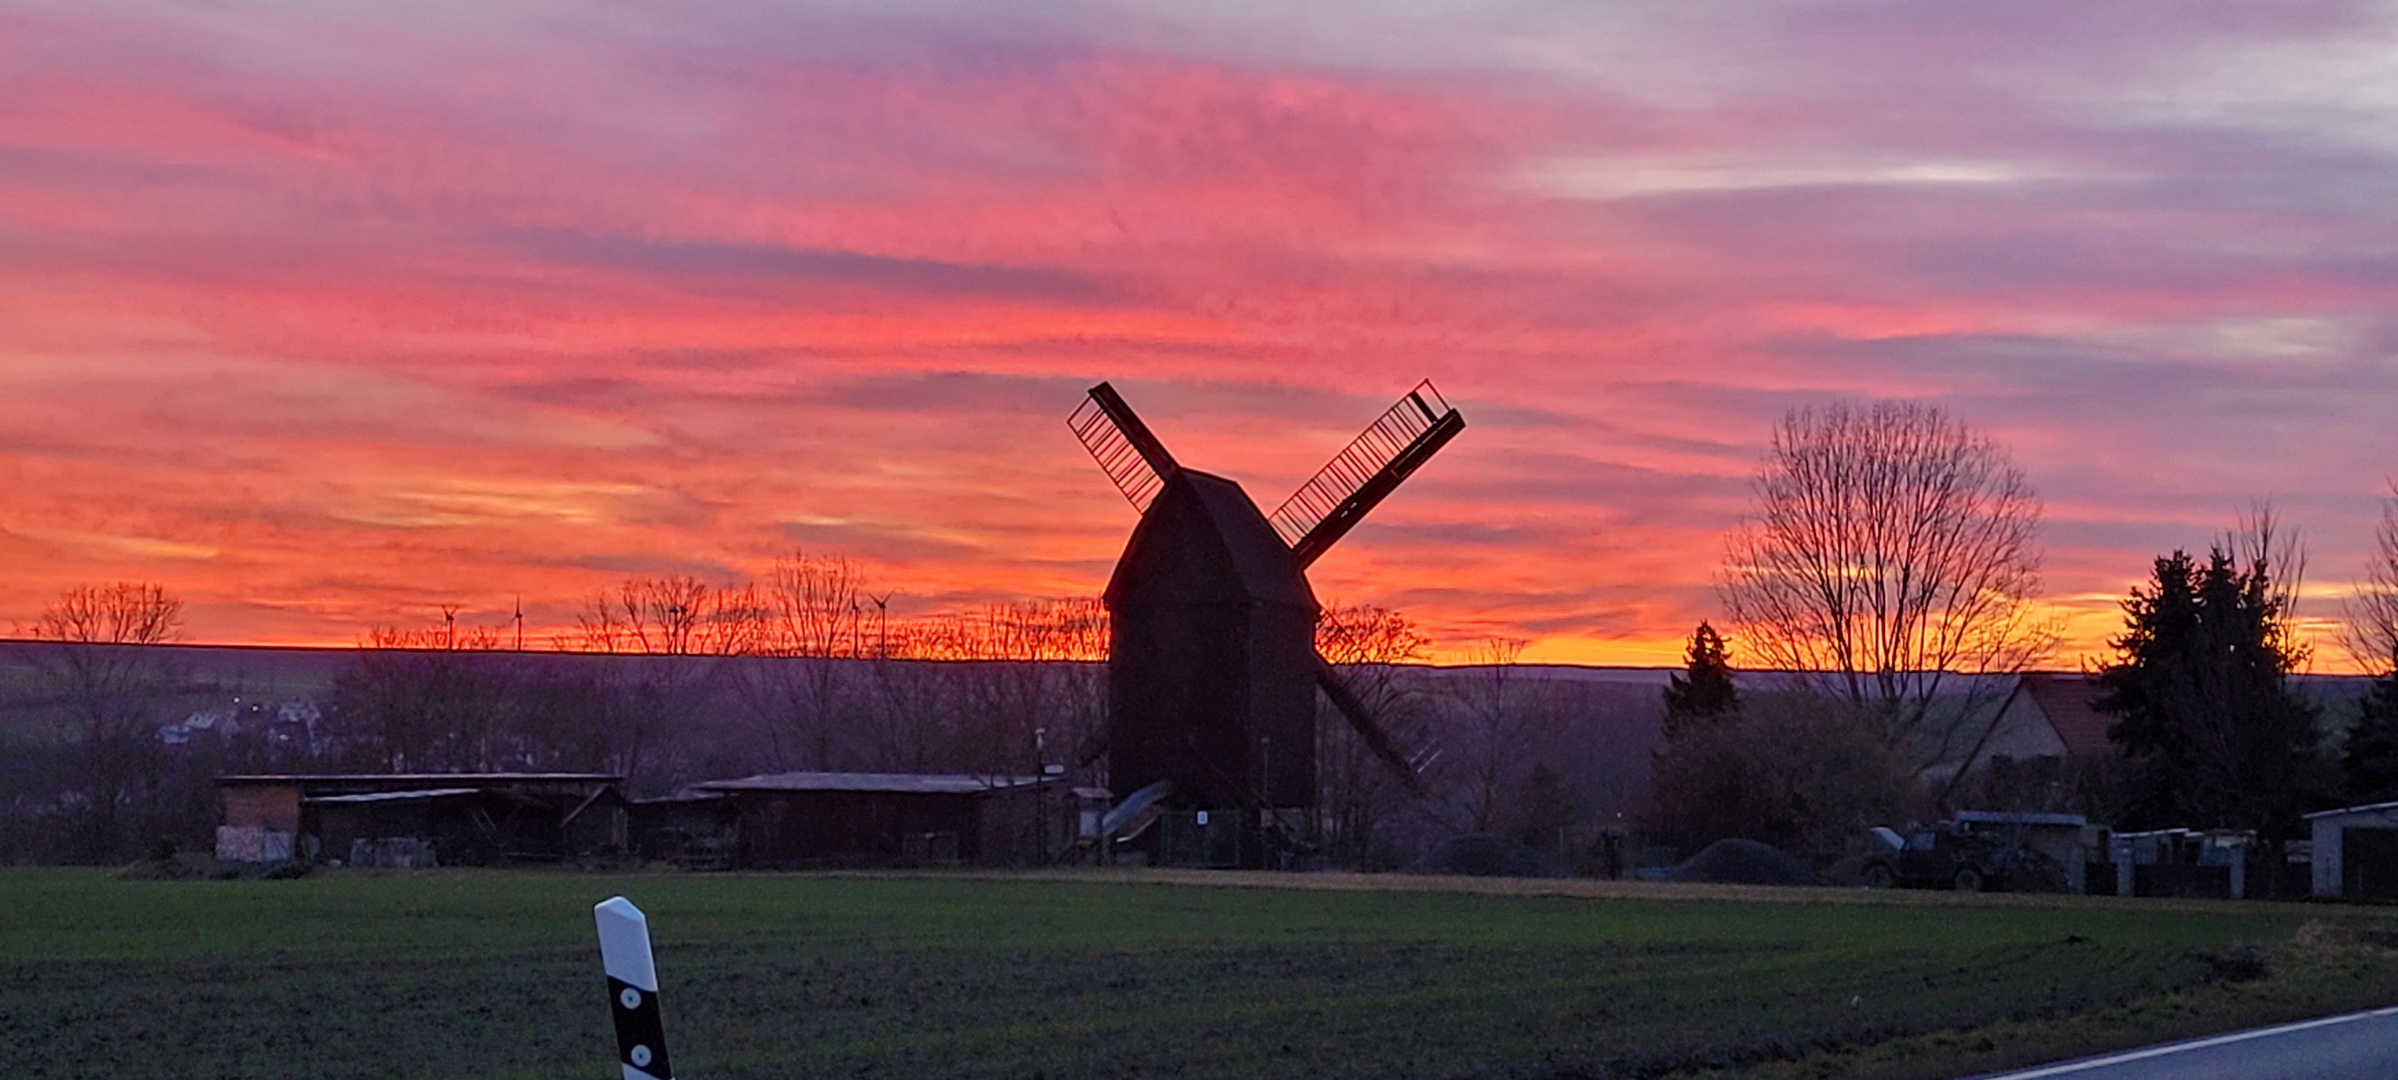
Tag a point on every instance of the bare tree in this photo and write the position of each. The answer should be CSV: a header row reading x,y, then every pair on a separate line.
x,y
2259,539
1026,675
677,615
1895,555
430,698
680,627
2371,631
109,695
125,613
809,613
1502,719
1366,644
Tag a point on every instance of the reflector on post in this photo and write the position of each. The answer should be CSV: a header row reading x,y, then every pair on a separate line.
x,y
632,989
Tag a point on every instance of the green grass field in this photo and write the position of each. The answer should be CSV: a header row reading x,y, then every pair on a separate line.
x,y
460,973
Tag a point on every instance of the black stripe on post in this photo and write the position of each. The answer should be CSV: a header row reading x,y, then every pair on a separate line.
x,y
640,1033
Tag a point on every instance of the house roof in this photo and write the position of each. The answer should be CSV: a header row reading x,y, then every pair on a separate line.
x,y
2064,697
907,783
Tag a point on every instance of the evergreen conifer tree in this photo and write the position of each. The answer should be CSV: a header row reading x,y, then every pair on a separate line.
x,y
1705,693
2369,761
2205,711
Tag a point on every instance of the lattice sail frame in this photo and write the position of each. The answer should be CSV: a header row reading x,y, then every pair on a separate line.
x,y
1366,455
1402,438
1112,441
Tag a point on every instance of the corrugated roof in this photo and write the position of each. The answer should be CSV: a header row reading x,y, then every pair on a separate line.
x,y
909,783
2373,808
396,796
388,778
2065,699
2019,817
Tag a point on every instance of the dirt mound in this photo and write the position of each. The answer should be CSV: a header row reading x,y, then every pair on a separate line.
x,y
1487,855
1743,862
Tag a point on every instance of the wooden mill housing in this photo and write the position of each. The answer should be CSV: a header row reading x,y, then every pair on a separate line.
x,y
1211,653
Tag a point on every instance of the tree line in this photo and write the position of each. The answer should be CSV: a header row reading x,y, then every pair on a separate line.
x,y
1887,576
668,680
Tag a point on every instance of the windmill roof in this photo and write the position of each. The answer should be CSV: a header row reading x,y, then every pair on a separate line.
x,y
1203,541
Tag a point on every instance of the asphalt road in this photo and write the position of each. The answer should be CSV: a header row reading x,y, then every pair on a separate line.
x,y
2358,1046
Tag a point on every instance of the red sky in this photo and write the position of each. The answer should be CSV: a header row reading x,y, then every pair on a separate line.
x,y
328,314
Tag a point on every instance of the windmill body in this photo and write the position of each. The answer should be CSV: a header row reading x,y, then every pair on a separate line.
x,y
1212,666
1211,653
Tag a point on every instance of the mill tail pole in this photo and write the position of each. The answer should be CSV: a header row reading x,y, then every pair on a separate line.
x,y
632,990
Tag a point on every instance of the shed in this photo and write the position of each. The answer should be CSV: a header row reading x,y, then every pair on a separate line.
x,y
450,818
836,819
2356,852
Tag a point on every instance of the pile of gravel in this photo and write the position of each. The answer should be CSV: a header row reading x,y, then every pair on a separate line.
x,y
1743,862
1487,855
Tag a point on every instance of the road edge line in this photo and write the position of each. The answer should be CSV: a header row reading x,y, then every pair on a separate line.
x,y
2193,1044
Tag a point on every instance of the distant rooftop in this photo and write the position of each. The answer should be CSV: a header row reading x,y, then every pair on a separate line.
x,y
397,796
2064,697
910,783
421,778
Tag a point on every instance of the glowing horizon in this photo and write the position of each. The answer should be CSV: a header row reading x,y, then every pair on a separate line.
x,y
326,316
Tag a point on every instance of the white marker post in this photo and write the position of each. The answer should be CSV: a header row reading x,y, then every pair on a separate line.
x,y
632,989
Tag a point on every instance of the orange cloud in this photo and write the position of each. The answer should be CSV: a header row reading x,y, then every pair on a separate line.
x,y
326,319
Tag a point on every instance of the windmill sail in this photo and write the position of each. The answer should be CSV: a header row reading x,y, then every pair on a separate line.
x,y
1365,471
1122,445
1408,767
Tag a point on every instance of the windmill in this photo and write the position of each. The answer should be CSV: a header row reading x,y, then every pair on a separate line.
x,y
1212,665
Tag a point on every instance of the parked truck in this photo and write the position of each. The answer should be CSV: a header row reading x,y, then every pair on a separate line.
x,y
1965,859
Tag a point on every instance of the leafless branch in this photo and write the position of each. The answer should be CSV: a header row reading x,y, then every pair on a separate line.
x,y
1890,550
2370,633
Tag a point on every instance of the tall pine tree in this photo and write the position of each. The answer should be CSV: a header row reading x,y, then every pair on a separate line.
x,y
1706,693
2369,761
2205,712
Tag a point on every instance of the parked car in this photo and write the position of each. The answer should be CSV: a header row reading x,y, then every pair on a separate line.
x,y
1943,858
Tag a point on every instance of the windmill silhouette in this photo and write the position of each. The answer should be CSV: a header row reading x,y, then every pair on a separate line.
x,y
1212,665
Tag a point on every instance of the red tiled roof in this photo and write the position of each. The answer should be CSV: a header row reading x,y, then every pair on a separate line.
x,y
2064,697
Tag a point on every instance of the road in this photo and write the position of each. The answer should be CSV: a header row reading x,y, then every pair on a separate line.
x,y
2357,1046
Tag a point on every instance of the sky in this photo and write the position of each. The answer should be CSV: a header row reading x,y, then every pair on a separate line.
x,y
329,314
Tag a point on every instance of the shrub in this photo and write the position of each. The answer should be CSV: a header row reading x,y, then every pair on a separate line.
x,y
1800,772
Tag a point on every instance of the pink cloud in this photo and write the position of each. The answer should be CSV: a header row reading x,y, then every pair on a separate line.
x,y
331,318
